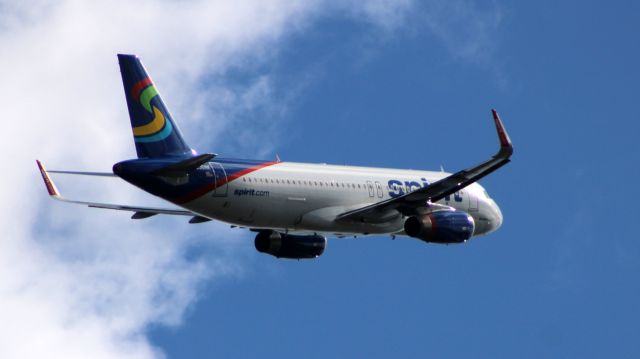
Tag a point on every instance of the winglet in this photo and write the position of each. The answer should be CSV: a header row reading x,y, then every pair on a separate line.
x,y
51,187
506,148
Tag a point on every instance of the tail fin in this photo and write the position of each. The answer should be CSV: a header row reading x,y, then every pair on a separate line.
x,y
154,132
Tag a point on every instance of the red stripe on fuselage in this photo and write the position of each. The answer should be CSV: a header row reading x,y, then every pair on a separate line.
x,y
139,86
212,186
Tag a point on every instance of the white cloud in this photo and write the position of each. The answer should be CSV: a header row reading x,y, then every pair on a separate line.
x,y
387,15
81,283
467,28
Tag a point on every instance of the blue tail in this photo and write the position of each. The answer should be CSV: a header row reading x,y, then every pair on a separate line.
x,y
154,132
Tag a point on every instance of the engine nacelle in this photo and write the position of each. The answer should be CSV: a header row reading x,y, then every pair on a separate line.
x,y
290,246
441,227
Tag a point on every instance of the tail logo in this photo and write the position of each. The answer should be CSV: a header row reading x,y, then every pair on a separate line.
x,y
159,128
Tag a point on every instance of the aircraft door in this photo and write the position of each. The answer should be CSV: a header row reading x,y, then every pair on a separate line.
x,y
221,180
370,187
473,202
379,188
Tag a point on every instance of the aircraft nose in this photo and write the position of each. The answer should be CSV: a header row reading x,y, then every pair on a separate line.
x,y
497,217
490,218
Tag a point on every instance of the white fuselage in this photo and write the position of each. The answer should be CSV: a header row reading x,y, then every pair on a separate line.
x,y
305,197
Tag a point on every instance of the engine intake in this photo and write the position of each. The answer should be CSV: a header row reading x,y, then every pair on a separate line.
x,y
441,227
290,246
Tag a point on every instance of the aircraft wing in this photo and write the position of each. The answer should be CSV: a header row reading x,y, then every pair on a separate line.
x,y
408,203
140,212
99,174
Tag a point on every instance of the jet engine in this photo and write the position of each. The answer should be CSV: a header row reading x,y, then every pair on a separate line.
x,y
283,245
441,227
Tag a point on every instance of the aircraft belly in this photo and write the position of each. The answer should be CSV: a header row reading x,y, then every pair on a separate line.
x,y
323,220
242,212
290,212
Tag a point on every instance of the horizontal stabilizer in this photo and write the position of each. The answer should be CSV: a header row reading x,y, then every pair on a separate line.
x,y
178,169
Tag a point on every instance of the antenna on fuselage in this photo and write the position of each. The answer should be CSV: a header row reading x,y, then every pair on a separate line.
x,y
278,158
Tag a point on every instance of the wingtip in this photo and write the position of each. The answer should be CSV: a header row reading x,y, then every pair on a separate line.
x,y
505,141
51,187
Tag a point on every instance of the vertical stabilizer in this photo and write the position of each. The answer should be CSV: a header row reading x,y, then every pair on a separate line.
x,y
154,131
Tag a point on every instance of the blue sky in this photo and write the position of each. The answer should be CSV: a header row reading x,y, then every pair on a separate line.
x,y
404,84
559,279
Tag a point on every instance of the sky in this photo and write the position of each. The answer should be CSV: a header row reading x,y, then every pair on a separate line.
x,y
403,84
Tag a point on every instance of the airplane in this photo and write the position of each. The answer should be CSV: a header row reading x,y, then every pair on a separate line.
x,y
292,207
